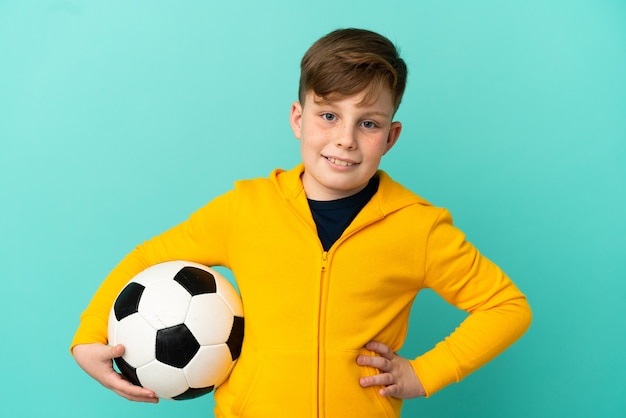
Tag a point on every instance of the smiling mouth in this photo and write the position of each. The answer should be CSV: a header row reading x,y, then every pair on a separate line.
x,y
342,163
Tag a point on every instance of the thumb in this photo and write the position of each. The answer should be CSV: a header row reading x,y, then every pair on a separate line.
x,y
115,351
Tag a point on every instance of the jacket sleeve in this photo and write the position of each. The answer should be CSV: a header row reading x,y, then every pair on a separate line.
x,y
498,312
202,238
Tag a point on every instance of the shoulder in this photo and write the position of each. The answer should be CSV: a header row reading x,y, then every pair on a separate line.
x,y
393,196
282,182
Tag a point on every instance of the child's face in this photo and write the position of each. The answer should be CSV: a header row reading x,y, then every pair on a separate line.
x,y
342,142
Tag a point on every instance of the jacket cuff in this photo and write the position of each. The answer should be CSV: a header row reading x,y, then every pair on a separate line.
x,y
90,331
435,370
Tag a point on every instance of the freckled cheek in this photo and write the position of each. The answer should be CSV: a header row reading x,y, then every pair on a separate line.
x,y
309,151
376,149
314,143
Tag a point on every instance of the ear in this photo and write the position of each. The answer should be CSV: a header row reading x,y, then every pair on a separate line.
x,y
295,119
394,134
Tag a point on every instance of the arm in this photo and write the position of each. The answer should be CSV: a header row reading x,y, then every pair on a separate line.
x,y
198,239
499,315
498,312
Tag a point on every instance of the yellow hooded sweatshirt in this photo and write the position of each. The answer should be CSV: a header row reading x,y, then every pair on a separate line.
x,y
309,313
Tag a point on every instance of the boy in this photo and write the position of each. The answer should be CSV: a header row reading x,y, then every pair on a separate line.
x,y
329,257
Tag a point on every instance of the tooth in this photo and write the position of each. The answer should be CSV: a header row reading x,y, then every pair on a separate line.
x,y
340,162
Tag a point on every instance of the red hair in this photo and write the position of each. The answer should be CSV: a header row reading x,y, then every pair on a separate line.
x,y
348,61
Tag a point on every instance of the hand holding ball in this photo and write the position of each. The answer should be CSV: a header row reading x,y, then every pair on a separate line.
x,y
181,324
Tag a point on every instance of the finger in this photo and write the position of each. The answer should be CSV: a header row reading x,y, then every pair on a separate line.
x,y
124,388
106,353
137,398
382,379
390,390
377,362
115,351
381,349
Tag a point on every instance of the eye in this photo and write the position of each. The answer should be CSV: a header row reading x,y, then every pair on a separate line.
x,y
328,116
369,124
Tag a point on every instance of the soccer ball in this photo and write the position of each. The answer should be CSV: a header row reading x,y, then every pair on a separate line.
x,y
181,324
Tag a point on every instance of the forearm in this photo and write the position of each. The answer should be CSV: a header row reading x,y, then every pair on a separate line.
x,y
480,338
498,311
93,321
193,240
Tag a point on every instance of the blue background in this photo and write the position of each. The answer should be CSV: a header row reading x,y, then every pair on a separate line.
x,y
119,118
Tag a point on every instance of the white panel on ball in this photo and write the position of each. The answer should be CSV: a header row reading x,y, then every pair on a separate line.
x,y
209,367
165,380
158,272
166,302
138,337
209,319
230,296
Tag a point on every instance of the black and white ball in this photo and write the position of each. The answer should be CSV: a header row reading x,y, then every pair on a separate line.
x,y
181,324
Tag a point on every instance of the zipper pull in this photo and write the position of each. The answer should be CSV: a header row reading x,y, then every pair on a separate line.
x,y
324,260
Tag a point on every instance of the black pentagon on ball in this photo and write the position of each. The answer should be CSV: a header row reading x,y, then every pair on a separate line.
x,y
196,281
127,303
176,345
235,339
128,371
193,393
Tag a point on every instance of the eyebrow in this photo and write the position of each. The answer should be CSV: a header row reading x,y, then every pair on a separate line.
x,y
375,113
322,102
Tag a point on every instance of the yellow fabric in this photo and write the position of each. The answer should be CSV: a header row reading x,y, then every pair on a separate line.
x,y
309,313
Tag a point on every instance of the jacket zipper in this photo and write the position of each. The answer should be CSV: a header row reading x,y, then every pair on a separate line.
x,y
321,335
320,332
324,260
323,268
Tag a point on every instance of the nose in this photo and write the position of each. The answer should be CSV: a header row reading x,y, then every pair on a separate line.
x,y
347,138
